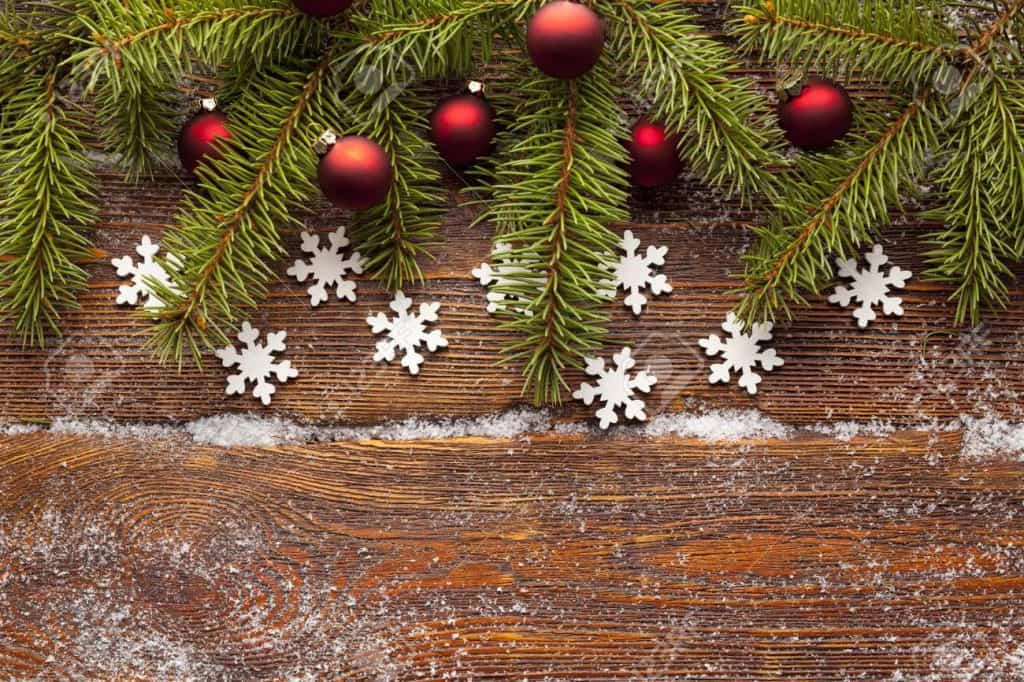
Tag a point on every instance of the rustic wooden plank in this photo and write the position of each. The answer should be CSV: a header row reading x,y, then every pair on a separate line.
x,y
556,557
914,370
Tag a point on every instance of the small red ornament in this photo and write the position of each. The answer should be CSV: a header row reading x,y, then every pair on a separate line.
x,y
654,153
817,116
322,9
198,137
564,39
462,127
355,173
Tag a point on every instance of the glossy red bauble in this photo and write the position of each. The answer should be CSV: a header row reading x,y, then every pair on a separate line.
x,y
355,173
462,128
198,138
322,8
565,39
818,116
654,155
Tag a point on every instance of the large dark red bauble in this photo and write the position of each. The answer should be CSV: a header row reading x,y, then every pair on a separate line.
x,y
818,116
462,128
564,39
355,173
323,8
198,138
654,155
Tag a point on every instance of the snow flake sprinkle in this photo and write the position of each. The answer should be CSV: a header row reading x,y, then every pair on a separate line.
x,y
256,363
504,272
741,352
406,332
635,272
870,286
146,269
616,388
327,266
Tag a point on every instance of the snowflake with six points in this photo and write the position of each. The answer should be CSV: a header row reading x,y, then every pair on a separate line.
x,y
406,332
635,272
147,269
327,266
256,363
742,353
870,286
616,388
504,272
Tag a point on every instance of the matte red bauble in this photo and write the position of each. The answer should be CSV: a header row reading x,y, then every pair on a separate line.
x,y
198,138
654,155
355,173
462,128
322,8
565,39
818,116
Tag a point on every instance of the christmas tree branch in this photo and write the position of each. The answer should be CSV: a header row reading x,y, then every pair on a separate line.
x,y
47,201
229,230
833,214
900,40
688,81
555,190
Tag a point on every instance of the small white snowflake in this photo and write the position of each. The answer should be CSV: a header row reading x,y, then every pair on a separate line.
x,y
406,332
146,269
742,353
327,266
505,271
635,272
616,388
870,287
256,363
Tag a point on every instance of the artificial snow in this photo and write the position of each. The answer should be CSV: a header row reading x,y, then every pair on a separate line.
x,y
719,426
870,286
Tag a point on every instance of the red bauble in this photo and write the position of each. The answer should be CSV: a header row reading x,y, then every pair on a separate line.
x,y
462,127
355,173
654,154
565,39
198,138
322,8
818,116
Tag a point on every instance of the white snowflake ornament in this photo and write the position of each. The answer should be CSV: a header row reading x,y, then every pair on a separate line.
x,y
406,332
635,272
870,286
256,363
505,271
615,388
140,272
327,266
742,353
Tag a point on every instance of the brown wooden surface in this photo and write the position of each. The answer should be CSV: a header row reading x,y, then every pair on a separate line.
x,y
547,556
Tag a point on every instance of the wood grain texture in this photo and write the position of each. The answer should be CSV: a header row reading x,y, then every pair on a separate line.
x,y
552,558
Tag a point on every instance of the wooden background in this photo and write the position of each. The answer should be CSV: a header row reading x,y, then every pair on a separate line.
x,y
563,554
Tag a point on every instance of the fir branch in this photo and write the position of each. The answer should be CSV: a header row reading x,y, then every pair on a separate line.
x,y
229,230
689,82
833,213
903,41
555,189
47,201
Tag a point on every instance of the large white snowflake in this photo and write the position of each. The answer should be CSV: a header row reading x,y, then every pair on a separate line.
x,y
505,271
870,286
635,272
616,388
147,269
327,266
256,363
741,352
406,332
